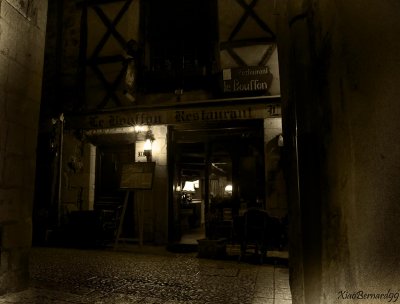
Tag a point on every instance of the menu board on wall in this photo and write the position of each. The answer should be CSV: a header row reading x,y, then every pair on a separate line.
x,y
138,175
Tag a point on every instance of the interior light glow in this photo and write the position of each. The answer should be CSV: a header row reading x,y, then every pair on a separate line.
x,y
139,128
189,187
228,188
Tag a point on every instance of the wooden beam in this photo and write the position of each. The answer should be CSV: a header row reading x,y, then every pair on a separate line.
x,y
242,20
267,55
82,56
236,57
110,26
110,91
246,42
256,18
109,31
88,3
105,60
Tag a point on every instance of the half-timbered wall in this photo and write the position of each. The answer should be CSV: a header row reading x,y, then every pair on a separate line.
x,y
94,56
247,36
104,51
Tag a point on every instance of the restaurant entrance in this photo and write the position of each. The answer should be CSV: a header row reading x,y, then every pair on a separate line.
x,y
217,173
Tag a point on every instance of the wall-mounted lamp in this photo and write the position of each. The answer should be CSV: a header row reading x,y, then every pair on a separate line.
x,y
147,149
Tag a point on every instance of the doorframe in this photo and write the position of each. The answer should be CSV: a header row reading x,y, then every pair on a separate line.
x,y
174,233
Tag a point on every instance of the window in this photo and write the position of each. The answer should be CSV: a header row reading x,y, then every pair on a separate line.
x,y
180,39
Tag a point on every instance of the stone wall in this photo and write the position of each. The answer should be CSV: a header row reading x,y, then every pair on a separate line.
x,y
78,174
275,188
22,36
339,68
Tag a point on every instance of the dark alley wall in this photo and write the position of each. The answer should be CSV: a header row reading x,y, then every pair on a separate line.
x,y
22,35
340,69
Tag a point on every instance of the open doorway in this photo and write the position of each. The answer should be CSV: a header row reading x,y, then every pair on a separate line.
x,y
108,195
218,171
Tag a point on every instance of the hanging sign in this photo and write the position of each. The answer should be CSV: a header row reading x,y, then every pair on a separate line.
x,y
247,80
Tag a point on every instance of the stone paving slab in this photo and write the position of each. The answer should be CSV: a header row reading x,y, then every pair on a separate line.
x,y
72,276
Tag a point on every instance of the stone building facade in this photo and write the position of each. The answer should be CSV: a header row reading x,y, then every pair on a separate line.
x,y
92,56
22,42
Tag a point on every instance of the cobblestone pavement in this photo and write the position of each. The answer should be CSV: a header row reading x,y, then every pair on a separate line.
x,y
70,276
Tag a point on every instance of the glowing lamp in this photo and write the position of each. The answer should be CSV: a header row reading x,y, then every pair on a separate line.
x,y
189,187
